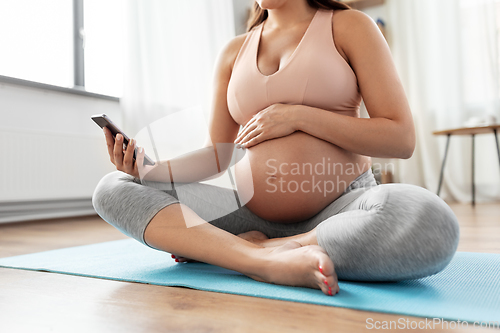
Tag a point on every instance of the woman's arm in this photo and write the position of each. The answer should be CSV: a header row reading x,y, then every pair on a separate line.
x,y
389,132
205,163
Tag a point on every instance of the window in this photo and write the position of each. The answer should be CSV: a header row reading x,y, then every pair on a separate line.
x,y
104,40
480,24
38,43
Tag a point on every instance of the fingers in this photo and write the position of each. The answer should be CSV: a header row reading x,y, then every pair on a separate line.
x,y
123,160
255,140
118,152
110,143
252,134
128,158
251,125
139,162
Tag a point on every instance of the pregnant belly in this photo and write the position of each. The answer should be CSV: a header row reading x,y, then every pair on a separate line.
x,y
295,177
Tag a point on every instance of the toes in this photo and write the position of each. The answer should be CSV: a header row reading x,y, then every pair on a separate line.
x,y
179,258
333,282
327,284
326,276
336,282
326,266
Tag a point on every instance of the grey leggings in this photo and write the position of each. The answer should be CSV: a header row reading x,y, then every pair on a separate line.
x,y
371,232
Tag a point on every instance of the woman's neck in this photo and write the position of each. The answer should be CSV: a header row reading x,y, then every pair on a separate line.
x,y
289,14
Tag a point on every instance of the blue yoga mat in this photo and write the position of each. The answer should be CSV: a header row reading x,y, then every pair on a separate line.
x,y
467,290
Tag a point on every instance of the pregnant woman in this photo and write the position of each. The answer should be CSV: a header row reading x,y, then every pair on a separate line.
x,y
288,92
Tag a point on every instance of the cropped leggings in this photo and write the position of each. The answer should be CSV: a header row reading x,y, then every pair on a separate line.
x,y
371,232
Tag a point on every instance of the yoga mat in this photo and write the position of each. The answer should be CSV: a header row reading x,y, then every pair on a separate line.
x,y
467,290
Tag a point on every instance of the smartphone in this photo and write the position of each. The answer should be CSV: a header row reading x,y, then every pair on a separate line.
x,y
103,121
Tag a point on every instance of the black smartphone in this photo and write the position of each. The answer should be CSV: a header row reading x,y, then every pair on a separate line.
x,y
103,121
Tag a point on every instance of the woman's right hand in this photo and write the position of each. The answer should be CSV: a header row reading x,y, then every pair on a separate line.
x,y
123,159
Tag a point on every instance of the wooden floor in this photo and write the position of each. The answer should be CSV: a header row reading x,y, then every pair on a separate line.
x,y
48,302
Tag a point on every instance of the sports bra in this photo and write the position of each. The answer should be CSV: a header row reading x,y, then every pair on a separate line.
x,y
315,75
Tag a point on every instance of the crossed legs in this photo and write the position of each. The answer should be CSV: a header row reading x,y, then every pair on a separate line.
x,y
287,264
155,218
380,233
388,232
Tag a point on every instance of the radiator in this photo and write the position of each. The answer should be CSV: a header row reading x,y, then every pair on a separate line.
x,y
45,174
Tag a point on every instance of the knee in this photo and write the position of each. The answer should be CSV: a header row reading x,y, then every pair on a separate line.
x,y
106,189
443,231
400,232
433,229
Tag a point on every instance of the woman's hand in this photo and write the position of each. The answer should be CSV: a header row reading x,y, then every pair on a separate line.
x,y
123,159
273,122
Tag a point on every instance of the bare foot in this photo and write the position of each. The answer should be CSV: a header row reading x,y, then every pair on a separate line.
x,y
294,265
302,266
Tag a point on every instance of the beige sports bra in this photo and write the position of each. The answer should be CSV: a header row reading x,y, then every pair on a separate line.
x,y
315,75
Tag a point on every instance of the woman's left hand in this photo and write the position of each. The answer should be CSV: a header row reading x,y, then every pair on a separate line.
x,y
273,122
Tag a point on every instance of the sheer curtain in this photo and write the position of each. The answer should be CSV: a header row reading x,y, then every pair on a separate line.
x,y
447,54
171,48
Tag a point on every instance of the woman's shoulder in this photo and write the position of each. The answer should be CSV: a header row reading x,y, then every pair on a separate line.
x,y
232,48
350,20
351,28
235,44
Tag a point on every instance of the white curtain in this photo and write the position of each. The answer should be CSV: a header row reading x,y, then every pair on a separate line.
x,y
447,54
171,48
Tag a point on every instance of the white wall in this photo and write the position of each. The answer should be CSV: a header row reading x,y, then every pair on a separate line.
x,y
376,12
240,8
39,109
51,149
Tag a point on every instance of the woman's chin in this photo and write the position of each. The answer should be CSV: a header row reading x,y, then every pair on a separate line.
x,y
271,4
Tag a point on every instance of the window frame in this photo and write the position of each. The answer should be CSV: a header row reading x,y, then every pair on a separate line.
x,y
78,45
78,63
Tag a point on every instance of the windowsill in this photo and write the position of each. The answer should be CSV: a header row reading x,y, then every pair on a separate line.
x,y
38,85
